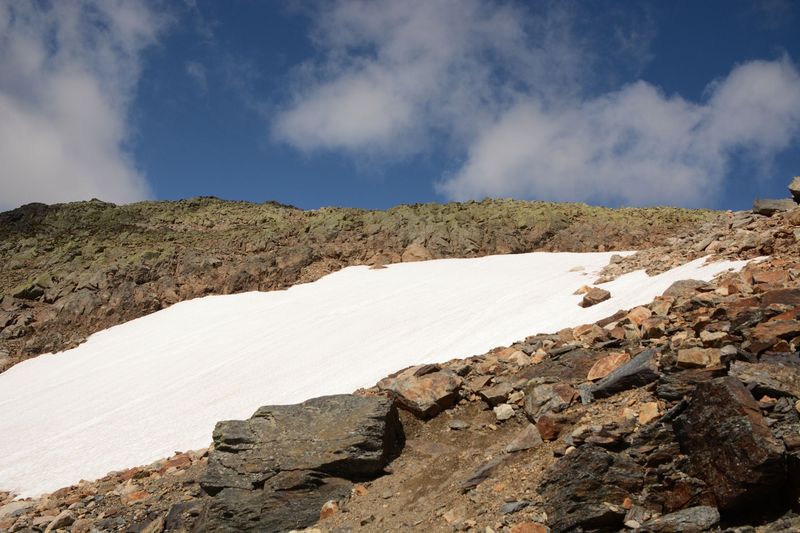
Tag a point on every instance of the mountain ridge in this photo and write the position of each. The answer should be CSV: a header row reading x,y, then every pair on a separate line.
x,y
73,269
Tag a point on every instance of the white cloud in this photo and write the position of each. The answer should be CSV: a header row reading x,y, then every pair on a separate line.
x,y
525,99
68,71
393,73
635,145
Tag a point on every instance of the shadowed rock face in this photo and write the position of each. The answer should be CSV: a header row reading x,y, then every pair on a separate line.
x,y
640,370
275,470
587,488
730,445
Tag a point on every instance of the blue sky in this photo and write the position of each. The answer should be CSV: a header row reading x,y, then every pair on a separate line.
x,y
372,104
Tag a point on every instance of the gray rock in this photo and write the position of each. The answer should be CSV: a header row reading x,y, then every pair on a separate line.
x,y
274,509
457,425
770,207
483,472
794,188
685,288
526,439
547,398
15,508
274,471
637,372
496,394
513,507
691,520
64,519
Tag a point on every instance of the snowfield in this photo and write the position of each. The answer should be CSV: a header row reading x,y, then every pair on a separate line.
x,y
139,391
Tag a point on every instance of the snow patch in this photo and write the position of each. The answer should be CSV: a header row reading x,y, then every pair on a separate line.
x,y
139,391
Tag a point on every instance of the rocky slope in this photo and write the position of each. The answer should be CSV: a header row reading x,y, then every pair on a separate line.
x,y
70,270
681,415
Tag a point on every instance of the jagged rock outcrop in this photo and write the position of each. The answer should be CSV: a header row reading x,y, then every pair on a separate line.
x,y
587,489
770,207
275,470
731,447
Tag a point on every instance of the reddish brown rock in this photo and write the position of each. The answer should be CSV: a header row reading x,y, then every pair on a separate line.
x,y
549,426
594,296
638,315
770,378
589,333
784,297
496,394
424,395
730,445
776,329
699,358
415,252
329,509
648,412
771,277
654,327
607,364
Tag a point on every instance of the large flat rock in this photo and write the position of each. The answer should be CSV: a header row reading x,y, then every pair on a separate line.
x,y
273,471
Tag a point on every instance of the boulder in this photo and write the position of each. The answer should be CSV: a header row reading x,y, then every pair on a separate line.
x,y
415,252
730,446
586,489
685,288
654,327
423,392
594,296
639,371
781,297
776,329
275,470
691,520
699,357
548,398
769,207
64,519
503,412
526,439
794,188
774,379
496,394
605,365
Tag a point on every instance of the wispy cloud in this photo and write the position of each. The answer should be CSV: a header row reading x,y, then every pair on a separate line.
x,y
197,73
396,72
526,99
68,71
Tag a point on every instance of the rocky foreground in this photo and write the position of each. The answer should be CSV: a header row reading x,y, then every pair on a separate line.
x,y
73,269
682,415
